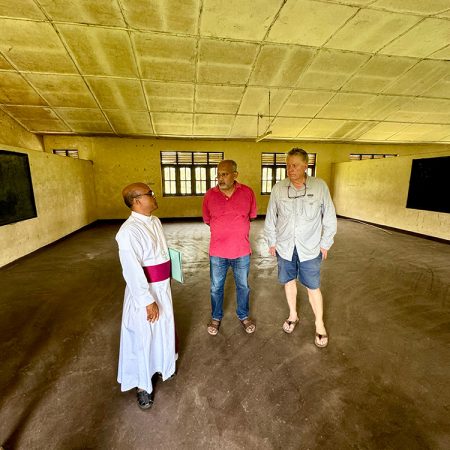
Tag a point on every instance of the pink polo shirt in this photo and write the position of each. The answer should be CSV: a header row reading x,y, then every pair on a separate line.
x,y
229,220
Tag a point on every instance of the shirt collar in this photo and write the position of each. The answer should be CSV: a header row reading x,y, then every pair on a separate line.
x,y
142,217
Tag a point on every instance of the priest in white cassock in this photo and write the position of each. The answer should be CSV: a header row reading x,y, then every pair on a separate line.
x,y
147,338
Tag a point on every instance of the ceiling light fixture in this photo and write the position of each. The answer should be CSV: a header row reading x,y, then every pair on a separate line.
x,y
263,136
260,137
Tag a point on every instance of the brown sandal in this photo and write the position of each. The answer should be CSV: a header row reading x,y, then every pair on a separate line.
x,y
249,326
213,327
318,338
290,323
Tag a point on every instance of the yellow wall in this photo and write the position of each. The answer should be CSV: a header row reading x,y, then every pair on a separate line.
x,y
64,193
72,193
120,161
376,191
13,135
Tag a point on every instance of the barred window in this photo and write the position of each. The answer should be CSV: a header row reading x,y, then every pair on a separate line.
x,y
66,152
273,169
360,156
189,173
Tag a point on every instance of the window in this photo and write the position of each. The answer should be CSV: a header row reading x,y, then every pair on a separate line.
x,y
273,169
66,152
189,173
359,156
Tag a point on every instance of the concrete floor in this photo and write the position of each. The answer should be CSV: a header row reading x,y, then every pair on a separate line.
x,y
381,384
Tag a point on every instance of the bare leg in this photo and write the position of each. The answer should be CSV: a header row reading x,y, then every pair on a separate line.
x,y
316,301
290,288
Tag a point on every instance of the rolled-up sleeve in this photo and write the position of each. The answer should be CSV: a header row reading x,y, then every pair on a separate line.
x,y
270,224
329,221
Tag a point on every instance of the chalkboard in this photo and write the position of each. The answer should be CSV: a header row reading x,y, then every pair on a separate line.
x,y
16,189
428,184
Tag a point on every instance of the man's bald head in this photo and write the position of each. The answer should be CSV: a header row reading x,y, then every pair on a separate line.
x,y
133,191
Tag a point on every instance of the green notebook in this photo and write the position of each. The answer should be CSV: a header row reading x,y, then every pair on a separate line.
x,y
176,266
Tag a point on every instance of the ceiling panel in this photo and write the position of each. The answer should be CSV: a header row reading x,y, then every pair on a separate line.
x,y
173,97
378,73
422,40
256,100
383,131
420,132
84,120
305,103
413,6
419,78
320,128
441,89
225,62
118,93
31,112
130,122
311,69
172,124
346,106
100,51
423,110
244,126
369,30
213,124
330,69
98,12
175,16
25,9
237,19
4,64
62,90
34,46
280,65
287,126
218,99
351,130
14,90
444,53
308,22
167,58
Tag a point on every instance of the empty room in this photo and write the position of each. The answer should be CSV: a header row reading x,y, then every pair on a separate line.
x,y
142,307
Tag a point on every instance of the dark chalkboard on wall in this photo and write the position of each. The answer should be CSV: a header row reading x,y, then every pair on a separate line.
x,y
16,189
429,185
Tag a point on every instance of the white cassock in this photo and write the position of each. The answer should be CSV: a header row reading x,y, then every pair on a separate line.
x,y
145,348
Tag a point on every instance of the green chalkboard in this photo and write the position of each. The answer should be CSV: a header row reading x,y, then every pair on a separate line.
x,y
16,188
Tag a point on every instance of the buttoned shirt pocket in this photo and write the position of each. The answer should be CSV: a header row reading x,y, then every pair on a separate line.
x,y
286,207
311,209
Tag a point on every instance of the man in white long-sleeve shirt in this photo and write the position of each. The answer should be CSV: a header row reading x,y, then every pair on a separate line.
x,y
147,338
299,229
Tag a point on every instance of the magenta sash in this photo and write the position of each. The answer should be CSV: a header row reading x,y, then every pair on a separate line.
x,y
160,272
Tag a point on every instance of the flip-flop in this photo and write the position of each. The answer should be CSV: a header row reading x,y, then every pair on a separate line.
x,y
290,323
213,327
318,338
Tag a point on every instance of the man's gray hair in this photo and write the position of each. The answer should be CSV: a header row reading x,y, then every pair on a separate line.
x,y
298,152
232,162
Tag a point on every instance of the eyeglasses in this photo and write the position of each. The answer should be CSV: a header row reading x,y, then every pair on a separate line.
x,y
293,193
149,193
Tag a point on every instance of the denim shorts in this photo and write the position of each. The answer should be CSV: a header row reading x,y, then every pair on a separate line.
x,y
308,272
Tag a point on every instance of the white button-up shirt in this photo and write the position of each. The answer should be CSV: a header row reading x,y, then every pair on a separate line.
x,y
303,218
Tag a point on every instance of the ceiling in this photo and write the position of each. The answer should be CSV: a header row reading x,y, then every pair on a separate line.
x,y
350,70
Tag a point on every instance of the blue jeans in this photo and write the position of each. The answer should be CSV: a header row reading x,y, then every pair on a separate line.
x,y
218,273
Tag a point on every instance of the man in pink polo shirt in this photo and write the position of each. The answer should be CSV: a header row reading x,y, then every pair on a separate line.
x,y
228,209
